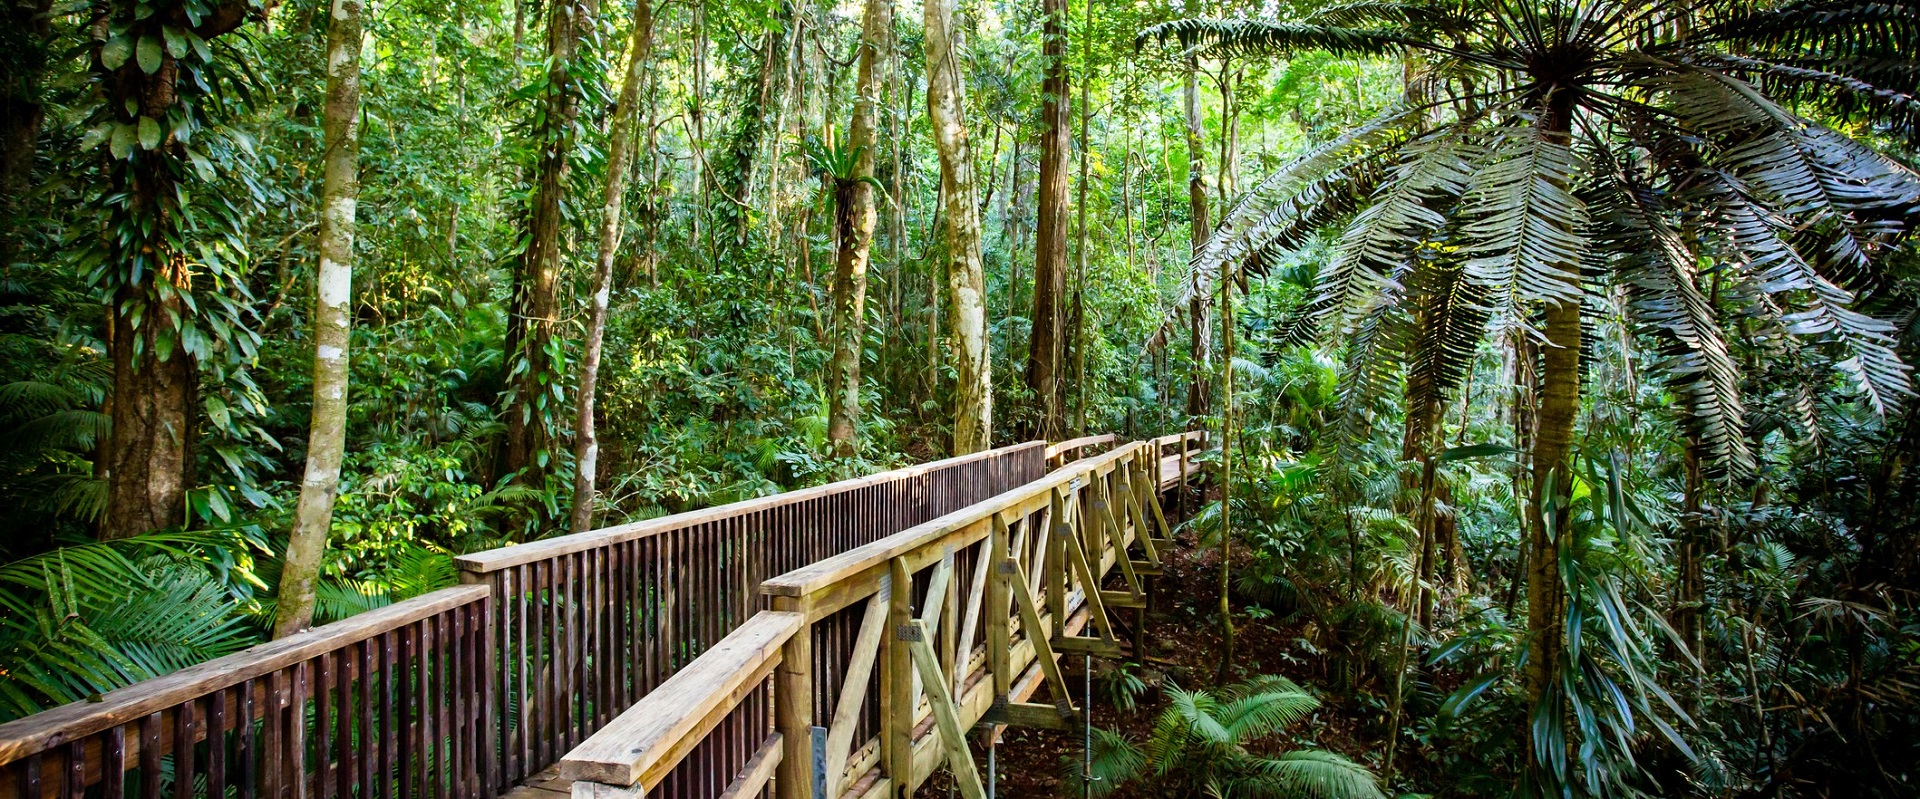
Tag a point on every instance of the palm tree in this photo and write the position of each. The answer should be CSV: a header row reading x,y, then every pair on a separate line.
x,y
1552,156
1203,745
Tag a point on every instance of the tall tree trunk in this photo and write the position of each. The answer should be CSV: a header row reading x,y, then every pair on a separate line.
x,y
966,284
1046,343
332,324
147,461
152,413
530,406
1197,208
1080,239
26,37
620,142
854,216
1552,460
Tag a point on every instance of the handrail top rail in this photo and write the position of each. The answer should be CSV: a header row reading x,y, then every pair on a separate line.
x,y
1180,438
826,572
1077,443
493,560
76,720
644,741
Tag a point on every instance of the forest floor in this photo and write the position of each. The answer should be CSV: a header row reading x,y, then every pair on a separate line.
x,y
1184,650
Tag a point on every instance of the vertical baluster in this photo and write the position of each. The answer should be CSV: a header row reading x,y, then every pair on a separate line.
x,y
183,751
343,708
77,769
217,745
149,757
386,741
113,761
323,679
30,777
459,731
409,714
249,776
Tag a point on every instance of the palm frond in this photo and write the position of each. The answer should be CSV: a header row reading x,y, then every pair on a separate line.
x,y
1661,276
1314,773
1245,37
1526,239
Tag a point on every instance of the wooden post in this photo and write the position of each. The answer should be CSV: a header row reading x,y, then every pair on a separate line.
x,y
896,689
997,612
793,708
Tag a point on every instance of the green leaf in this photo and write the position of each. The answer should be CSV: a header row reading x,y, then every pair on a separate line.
x,y
115,51
1467,693
122,141
149,133
149,52
1476,452
177,45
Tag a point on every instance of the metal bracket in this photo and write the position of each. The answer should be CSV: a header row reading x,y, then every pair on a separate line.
x,y
907,632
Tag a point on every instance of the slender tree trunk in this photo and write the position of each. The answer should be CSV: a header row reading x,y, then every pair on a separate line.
x,y
966,285
1046,343
1552,460
332,324
620,141
529,404
854,217
1227,436
1197,207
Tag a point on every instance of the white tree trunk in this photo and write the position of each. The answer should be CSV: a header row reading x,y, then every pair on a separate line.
x,y
620,135
332,324
966,284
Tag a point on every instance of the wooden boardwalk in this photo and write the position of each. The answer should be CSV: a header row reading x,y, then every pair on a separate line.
x,y
665,638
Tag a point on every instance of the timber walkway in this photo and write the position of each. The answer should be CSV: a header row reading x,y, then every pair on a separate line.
x,y
837,641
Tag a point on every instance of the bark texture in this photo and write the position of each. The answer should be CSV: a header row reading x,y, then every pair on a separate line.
x,y
1197,209
536,282
332,324
1047,341
147,461
620,144
854,216
1552,458
966,284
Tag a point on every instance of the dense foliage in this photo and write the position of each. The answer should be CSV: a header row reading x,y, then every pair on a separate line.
x,y
1563,345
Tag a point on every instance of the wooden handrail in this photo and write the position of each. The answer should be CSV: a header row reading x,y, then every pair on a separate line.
x,y
500,558
1076,444
651,737
825,573
44,731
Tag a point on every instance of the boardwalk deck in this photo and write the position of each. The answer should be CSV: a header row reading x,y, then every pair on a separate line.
x,y
482,689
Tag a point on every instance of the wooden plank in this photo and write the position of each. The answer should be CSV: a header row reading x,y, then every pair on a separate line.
x,y
760,768
853,690
1030,621
952,737
1090,587
971,608
638,742
47,730
1028,714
